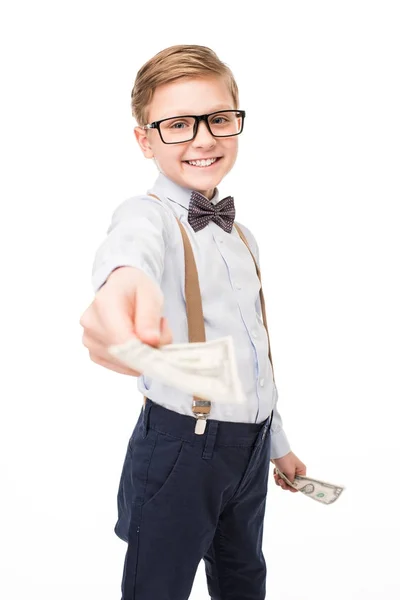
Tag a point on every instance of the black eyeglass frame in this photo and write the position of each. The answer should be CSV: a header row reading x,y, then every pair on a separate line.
x,y
197,118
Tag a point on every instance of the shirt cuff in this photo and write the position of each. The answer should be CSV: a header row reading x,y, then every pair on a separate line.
x,y
279,443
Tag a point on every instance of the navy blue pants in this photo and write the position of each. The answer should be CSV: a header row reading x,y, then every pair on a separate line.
x,y
184,497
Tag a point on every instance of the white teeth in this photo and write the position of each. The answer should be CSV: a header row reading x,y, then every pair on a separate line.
x,y
202,163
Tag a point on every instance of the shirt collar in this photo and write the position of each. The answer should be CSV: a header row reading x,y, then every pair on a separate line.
x,y
164,186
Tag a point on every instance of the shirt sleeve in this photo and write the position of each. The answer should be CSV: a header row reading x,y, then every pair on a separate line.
x,y
279,441
137,237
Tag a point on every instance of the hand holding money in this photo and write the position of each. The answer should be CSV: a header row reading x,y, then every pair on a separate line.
x,y
291,465
126,315
318,490
128,304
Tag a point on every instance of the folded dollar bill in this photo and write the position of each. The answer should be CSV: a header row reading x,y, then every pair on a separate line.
x,y
323,492
207,370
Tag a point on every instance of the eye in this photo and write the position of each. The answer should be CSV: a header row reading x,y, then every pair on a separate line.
x,y
219,120
178,125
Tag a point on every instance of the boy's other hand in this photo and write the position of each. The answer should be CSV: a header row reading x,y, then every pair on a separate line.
x,y
291,466
128,305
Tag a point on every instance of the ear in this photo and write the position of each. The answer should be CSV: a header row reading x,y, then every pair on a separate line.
x,y
142,140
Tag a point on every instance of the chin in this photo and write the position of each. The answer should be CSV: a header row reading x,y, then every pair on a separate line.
x,y
206,180
197,183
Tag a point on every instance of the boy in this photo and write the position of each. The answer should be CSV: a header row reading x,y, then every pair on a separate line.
x,y
185,496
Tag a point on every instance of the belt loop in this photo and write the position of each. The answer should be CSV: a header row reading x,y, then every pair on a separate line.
x,y
145,421
211,434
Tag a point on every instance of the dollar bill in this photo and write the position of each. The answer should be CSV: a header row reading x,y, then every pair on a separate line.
x,y
321,491
207,370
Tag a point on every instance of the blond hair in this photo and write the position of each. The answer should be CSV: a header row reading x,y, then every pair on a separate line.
x,y
172,64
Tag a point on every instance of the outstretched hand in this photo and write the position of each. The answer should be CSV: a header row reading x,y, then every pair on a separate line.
x,y
291,466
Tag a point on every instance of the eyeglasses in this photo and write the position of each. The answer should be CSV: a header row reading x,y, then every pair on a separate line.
x,y
177,130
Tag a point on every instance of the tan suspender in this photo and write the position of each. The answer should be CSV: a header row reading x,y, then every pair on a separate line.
x,y
194,310
262,302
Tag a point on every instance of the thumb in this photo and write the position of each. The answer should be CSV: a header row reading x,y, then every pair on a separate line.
x,y
302,470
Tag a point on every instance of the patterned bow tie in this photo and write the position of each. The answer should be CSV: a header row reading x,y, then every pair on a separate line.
x,y
202,211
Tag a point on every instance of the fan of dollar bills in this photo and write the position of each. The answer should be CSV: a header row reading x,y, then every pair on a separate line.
x,y
204,369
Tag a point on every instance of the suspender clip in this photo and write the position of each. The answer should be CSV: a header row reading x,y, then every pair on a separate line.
x,y
200,424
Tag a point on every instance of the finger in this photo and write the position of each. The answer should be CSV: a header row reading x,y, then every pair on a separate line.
x,y
89,318
283,484
113,320
98,350
113,367
166,333
148,309
98,354
90,340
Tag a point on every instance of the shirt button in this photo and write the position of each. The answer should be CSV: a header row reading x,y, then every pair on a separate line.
x,y
262,382
254,333
237,286
221,241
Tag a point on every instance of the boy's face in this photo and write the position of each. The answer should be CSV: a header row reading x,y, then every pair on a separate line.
x,y
190,96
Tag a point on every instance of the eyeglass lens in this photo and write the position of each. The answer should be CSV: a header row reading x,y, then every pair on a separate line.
x,y
181,129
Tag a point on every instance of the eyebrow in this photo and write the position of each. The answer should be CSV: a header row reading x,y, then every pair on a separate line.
x,y
182,112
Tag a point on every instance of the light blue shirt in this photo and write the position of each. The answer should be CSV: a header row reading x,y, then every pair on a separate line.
x,y
144,234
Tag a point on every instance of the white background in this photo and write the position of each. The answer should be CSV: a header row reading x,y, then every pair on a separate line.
x,y
317,181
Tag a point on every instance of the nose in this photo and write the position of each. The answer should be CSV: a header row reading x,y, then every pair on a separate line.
x,y
203,137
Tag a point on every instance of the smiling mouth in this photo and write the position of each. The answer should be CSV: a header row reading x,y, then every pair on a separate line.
x,y
204,162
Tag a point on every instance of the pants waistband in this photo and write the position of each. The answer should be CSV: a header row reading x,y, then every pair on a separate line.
x,y
226,433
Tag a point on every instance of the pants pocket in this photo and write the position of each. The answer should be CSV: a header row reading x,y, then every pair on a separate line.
x,y
164,462
148,469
